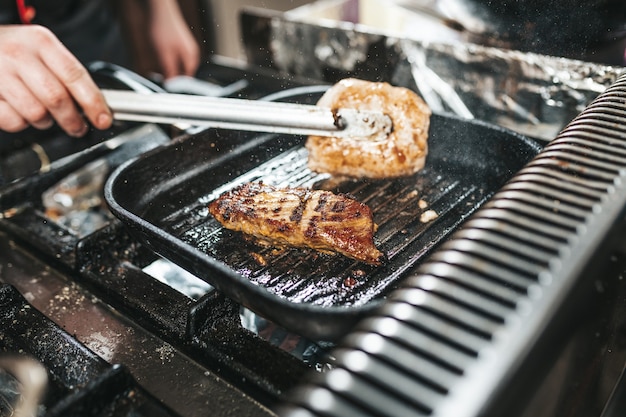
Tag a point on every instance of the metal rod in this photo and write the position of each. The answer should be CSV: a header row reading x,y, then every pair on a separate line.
x,y
252,115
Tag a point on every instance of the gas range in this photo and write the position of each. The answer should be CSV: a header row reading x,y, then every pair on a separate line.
x,y
118,330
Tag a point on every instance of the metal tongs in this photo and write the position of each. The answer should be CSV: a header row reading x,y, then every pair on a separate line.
x,y
249,115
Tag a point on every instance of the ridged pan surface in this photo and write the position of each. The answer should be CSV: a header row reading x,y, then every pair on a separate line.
x,y
163,197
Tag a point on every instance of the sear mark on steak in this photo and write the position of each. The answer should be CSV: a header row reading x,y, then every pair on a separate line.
x,y
300,217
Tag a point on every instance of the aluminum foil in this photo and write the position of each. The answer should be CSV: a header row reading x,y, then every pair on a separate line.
x,y
533,94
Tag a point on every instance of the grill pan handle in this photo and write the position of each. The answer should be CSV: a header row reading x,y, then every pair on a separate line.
x,y
29,188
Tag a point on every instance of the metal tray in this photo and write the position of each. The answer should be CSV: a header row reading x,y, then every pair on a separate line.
x,y
163,196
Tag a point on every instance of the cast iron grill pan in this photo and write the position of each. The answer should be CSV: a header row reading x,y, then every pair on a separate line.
x,y
163,197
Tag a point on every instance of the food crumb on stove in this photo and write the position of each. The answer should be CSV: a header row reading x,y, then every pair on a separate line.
x,y
422,204
359,273
260,259
354,277
409,196
349,282
428,216
277,251
165,352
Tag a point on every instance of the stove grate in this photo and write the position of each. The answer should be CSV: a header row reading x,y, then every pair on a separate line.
x,y
80,383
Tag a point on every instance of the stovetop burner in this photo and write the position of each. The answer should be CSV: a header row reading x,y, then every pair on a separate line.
x,y
82,351
121,331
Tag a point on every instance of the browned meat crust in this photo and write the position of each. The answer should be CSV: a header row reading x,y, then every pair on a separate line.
x,y
402,153
300,217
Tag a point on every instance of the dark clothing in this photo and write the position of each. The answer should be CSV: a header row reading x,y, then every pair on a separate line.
x,y
564,26
88,28
568,28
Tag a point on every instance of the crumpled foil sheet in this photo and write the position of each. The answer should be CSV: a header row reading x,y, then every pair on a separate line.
x,y
532,94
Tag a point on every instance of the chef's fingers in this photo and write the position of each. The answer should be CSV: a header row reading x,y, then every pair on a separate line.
x,y
53,96
26,104
189,56
178,54
10,120
17,44
80,86
169,65
23,72
191,60
183,62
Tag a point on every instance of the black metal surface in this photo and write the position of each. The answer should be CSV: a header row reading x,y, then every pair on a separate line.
x,y
29,188
208,329
80,382
21,200
494,307
37,157
188,386
162,198
194,354
617,403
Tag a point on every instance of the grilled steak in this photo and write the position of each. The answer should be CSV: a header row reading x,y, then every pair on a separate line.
x,y
402,153
300,217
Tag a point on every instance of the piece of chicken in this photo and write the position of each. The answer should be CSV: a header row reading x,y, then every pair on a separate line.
x,y
300,217
402,153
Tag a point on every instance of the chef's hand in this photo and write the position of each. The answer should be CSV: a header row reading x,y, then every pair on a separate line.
x,y
176,48
43,82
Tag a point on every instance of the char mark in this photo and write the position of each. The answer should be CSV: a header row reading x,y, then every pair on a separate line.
x,y
298,212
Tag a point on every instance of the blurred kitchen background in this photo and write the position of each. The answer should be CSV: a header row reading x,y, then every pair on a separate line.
x,y
215,24
425,45
593,31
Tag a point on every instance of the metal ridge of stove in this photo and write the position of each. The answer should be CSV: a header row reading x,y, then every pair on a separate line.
x,y
454,337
